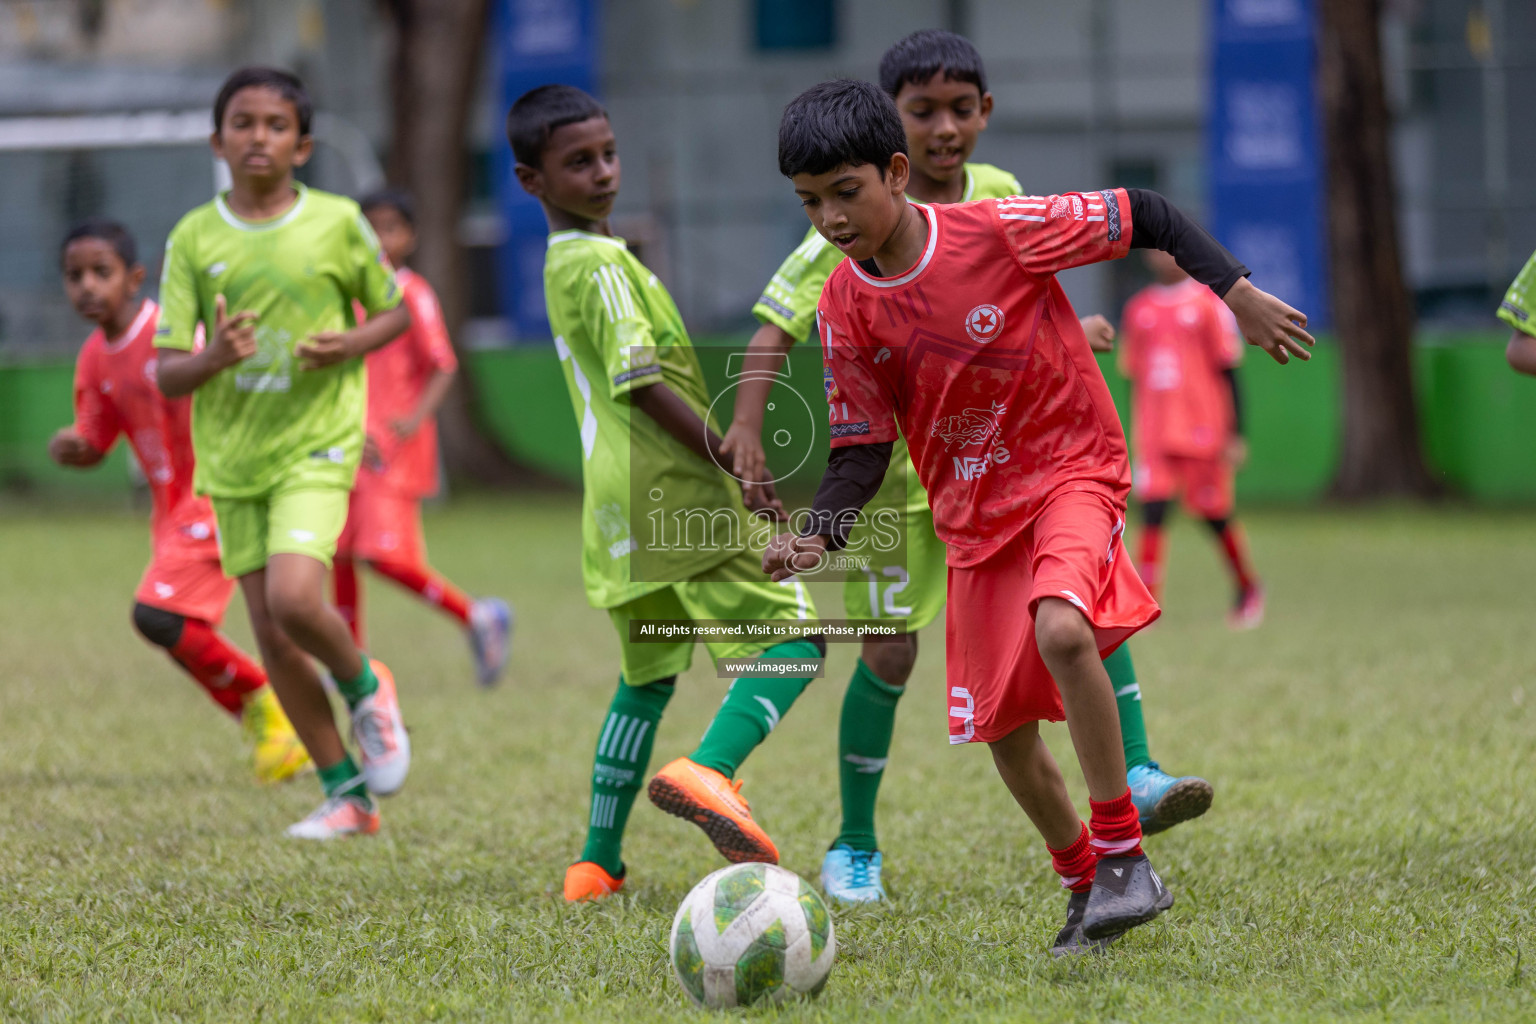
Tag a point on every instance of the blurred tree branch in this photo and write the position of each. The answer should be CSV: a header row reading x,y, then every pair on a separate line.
x,y
1372,308
433,76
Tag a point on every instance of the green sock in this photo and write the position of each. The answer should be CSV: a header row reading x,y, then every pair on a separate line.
x,y
863,741
345,778
354,690
618,767
751,709
1133,731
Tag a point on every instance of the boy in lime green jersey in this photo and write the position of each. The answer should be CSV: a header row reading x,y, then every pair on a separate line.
x,y
1518,310
277,418
939,85
665,532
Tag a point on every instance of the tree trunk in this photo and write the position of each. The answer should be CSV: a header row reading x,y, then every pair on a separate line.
x,y
433,75
1372,309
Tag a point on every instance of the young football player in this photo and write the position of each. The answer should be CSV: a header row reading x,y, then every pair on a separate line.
x,y
642,411
182,595
407,380
272,269
940,88
1180,350
1516,310
1011,427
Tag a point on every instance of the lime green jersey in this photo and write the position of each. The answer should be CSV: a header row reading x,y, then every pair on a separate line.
x,y
789,303
654,512
265,421
1519,306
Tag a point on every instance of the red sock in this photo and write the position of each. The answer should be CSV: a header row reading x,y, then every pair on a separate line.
x,y
433,588
1076,863
1234,544
1116,827
219,666
1149,560
349,597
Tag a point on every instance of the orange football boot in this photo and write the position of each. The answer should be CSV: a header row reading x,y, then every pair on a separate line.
x,y
586,881
714,803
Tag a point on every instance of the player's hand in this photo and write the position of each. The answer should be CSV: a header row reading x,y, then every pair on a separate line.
x,y
373,455
763,500
748,463
1236,452
327,348
788,554
1100,332
234,337
1269,323
404,427
68,448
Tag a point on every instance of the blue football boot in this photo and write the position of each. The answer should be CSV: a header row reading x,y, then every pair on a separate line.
x,y
1163,801
852,876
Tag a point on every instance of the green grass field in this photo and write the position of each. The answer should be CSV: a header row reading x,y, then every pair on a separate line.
x,y
1371,854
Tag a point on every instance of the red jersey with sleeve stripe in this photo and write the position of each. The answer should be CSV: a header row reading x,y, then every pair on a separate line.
x,y
976,355
116,393
397,375
1176,342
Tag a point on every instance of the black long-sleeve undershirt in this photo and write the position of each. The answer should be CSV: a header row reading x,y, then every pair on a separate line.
x,y
854,473
1230,375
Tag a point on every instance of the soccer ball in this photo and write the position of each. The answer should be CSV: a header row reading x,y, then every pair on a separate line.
x,y
751,932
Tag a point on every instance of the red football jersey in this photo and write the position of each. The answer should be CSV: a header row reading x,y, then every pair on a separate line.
x,y
397,375
1176,341
977,356
116,393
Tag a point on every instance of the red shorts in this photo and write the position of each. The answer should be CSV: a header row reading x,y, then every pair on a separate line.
x,y
383,526
996,680
189,583
1205,484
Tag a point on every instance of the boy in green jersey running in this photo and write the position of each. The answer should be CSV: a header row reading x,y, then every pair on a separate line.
x,y
1518,310
277,418
940,88
665,533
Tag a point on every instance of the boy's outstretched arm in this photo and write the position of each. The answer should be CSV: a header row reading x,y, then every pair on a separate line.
x,y
677,418
1520,353
180,372
1264,320
854,474
68,448
327,348
743,442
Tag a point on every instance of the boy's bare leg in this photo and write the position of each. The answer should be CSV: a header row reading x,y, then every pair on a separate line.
x,y
293,676
1032,776
1068,648
296,597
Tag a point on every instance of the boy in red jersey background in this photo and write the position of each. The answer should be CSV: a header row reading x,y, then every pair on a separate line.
x,y
407,381
946,324
183,593
1180,349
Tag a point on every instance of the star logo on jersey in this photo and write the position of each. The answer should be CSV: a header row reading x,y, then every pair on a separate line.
x,y
984,323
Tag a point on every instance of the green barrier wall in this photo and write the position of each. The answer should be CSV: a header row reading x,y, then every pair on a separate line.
x,y
1478,416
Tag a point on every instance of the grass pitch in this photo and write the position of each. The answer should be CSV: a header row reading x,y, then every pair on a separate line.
x,y
1371,854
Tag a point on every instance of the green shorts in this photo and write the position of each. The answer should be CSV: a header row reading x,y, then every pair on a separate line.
x,y
912,587
735,589
298,520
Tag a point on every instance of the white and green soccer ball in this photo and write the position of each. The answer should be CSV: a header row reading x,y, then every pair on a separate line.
x,y
751,932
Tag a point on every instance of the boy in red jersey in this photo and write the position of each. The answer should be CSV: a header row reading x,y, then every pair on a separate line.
x,y
1180,349
183,593
947,324
407,380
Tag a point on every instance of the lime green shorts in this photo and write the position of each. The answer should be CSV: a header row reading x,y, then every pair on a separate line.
x,y
911,585
301,520
735,589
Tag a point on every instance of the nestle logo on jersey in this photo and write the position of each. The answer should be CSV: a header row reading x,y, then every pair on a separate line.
x,y
970,467
1068,206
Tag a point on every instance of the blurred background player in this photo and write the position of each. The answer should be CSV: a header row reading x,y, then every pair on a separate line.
x,y
182,595
1180,348
1516,310
407,380
278,418
638,393
940,88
